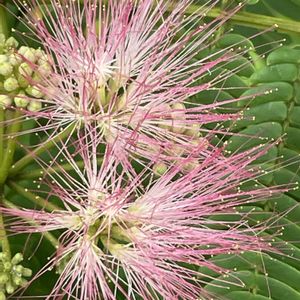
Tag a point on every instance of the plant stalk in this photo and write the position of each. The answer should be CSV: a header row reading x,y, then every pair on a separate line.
x,y
252,20
3,19
9,151
24,161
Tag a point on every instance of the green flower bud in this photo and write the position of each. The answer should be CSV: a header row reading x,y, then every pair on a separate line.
x,y
17,280
193,130
28,53
3,278
41,56
10,288
35,92
2,296
25,70
11,42
3,58
121,102
18,269
44,69
26,272
6,69
160,168
36,77
21,100
23,83
23,50
17,258
11,84
5,101
34,106
14,59
7,265
3,256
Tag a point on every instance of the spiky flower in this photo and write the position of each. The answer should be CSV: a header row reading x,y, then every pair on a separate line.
x,y
141,236
127,69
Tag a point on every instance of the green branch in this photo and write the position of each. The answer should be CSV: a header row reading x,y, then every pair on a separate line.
x,y
10,146
3,20
2,131
3,238
252,20
24,161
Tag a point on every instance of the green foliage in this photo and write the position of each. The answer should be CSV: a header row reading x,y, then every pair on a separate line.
x,y
271,108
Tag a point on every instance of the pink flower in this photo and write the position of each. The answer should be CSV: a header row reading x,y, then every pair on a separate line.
x,y
121,68
137,235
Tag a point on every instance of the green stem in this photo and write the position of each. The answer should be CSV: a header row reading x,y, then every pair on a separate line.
x,y
252,20
2,119
49,236
32,197
10,147
24,161
3,236
3,20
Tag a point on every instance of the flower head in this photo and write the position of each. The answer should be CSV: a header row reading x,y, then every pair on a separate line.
x,y
139,235
122,68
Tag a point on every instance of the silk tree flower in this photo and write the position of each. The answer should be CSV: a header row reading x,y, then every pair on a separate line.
x,y
138,236
124,68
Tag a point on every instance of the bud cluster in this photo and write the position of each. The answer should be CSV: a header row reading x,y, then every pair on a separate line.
x,y
12,274
21,72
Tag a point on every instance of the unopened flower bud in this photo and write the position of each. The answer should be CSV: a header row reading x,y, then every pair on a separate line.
x,y
36,77
26,272
25,70
7,266
6,69
11,42
44,69
160,168
17,280
3,278
35,92
178,127
178,114
28,53
39,53
11,84
2,296
3,58
34,106
10,288
14,59
3,256
42,58
17,258
121,102
5,101
23,83
21,100
18,269
193,130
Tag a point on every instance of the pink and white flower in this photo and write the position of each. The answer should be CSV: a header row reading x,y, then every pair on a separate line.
x,y
122,68
137,235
